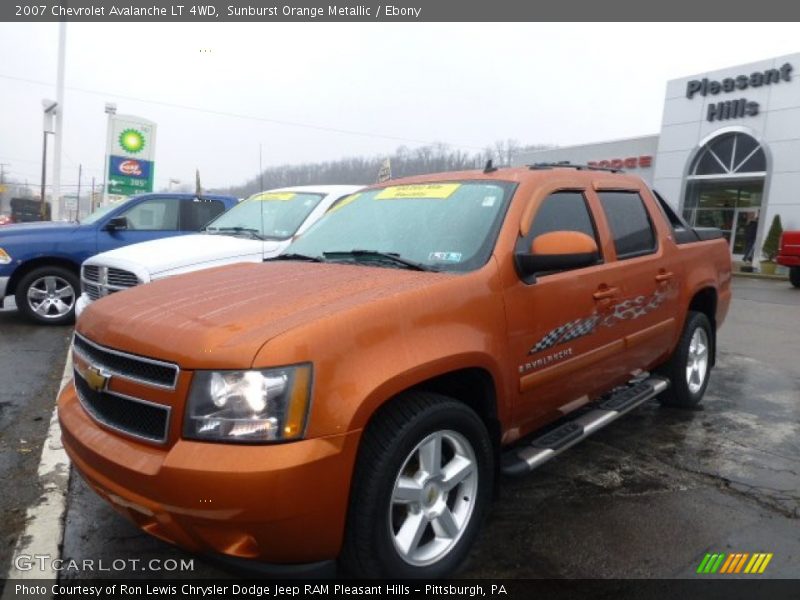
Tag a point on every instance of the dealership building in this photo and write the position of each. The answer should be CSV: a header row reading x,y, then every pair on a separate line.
x,y
728,149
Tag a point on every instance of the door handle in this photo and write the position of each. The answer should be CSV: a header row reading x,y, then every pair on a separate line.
x,y
664,277
605,293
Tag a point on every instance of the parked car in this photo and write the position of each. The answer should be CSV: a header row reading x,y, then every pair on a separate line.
x,y
6,220
356,398
40,261
258,228
789,255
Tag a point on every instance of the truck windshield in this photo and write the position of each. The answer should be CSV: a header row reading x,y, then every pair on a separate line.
x,y
268,215
448,226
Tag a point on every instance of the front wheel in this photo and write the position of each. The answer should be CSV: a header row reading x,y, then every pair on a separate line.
x,y
47,295
794,276
421,489
689,367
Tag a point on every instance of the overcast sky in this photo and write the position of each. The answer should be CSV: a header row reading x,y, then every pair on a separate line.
x,y
463,84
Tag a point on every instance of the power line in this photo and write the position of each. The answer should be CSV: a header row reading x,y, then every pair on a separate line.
x,y
241,116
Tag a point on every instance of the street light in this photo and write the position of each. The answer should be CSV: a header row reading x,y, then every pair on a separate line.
x,y
111,110
49,107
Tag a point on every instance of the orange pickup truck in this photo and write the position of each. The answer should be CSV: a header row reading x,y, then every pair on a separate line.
x,y
355,399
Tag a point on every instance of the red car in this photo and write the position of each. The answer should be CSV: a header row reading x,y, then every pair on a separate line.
x,y
789,255
6,220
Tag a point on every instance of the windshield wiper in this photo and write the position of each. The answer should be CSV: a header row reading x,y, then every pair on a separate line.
x,y
392,257
295,256
253,233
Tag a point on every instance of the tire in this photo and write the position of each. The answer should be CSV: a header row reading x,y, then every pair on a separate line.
x,y
47,295
794,276
689,367
391,448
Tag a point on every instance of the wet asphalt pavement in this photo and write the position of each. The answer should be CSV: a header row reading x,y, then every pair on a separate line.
x,y
646,497
31,362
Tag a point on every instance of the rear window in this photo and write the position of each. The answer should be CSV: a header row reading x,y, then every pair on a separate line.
x,y
629,222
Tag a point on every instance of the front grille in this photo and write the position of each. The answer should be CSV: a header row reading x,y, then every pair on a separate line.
x,y
91,273
101,281
93,291
122,278
135,417
130,366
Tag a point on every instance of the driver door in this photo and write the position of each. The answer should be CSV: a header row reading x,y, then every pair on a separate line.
x,y
152,218
563,354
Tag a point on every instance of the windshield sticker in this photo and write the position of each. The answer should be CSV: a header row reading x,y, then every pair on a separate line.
x,y
428,191
489,201
272,196
345,202
452,257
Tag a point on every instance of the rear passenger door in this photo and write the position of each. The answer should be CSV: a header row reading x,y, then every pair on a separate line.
x,y
644,307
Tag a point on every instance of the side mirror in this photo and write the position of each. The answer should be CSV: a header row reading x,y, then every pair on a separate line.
x,y
117,224
557,251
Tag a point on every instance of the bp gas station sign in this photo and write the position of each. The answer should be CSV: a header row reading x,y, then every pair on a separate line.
x,y
131,149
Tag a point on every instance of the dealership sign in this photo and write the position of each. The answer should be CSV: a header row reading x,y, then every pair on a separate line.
x,y
741,107
631,162
131,151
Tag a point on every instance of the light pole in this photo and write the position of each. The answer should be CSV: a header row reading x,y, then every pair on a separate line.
x,y
111,110
49,116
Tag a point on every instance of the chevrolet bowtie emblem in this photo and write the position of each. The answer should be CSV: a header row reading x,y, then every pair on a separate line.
x,y
96,378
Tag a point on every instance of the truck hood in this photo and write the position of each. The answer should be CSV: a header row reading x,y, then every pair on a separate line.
x,y
220,318
159,258
41,228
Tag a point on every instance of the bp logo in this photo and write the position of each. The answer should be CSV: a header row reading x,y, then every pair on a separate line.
x,y
131,140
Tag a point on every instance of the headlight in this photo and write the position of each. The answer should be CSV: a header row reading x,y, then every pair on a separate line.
x,y
4,257
248,406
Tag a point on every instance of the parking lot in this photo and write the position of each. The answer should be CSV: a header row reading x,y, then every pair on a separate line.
x,y
644,498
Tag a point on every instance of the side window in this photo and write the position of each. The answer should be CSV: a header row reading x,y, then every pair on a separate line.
x,y
630,224
155,214
198,212
562,211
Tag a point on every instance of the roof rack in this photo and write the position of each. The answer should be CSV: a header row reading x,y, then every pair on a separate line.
x,y
568,165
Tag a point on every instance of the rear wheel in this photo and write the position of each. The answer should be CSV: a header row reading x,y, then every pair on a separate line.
x,y
794,276
47,295
689,367
421,489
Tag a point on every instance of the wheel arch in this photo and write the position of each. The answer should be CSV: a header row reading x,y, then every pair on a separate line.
x,y
705,301
35,263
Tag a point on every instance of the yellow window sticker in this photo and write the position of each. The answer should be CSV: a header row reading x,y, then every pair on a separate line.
x,y
271,196
427,191
344,202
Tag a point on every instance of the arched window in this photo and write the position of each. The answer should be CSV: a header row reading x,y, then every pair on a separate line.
x,y
725,186
730,155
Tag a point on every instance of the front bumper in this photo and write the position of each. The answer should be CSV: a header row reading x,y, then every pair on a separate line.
x,y
280,503
82,303
3,287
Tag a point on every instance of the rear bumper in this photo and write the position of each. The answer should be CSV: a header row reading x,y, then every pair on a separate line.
x,y
788,260
282,503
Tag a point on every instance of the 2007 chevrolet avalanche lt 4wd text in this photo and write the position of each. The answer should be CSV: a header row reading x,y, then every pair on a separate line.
x,y
355,398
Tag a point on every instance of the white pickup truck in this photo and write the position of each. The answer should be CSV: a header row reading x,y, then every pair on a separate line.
x,y
258,228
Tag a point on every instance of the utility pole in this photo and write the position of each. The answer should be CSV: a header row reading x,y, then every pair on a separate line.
x,y
260,170
50,107
91,202
78,199
62,46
